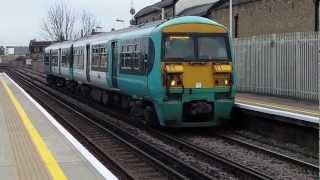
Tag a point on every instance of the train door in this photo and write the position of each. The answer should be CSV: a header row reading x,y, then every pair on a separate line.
x,y
114,70
88,62
50,61
71,62
59,60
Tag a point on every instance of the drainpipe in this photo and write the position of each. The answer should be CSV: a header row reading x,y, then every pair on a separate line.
x,y
230,18
316,19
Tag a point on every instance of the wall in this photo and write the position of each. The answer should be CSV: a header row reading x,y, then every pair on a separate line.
x,y
270,16
280,65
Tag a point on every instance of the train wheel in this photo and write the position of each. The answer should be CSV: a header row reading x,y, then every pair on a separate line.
x,y
125,102
60,82
105,98
51,81
150,116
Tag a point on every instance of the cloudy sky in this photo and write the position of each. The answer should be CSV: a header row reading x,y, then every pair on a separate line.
x,y
20,20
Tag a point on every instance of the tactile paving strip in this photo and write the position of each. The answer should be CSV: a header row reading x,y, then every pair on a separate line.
x,y
29,165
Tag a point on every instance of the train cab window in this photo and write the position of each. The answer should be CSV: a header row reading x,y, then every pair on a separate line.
x,y
99,58
212,48
179,47
194,47
78,58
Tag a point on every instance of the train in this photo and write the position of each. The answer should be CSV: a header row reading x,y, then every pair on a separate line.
x,y
173,73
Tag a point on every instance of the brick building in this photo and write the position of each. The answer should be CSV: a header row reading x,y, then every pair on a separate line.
x,y
250,17
257,17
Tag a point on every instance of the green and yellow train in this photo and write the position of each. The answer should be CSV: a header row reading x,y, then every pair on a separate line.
x,y
177,73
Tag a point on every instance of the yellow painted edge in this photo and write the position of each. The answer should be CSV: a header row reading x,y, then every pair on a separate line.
x,y
45,154
279,107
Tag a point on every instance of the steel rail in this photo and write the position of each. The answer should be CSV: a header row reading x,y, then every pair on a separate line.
x,y
190,171
245,172
268,151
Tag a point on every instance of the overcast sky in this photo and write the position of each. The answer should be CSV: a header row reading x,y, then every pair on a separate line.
x,y
20,20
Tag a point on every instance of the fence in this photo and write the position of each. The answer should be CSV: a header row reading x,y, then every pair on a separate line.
x,y
281,65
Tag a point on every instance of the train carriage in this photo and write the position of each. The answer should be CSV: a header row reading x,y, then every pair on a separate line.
x,y
178,72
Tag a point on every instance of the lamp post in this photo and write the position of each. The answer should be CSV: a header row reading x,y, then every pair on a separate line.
x,y
230,18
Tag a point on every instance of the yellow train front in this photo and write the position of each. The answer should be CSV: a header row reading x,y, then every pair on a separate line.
x,y
194,87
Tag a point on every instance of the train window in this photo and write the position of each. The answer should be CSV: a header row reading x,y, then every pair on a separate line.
x,y
135,56
212,48
78,58
179,47
54,58
64,58
46,59
99,58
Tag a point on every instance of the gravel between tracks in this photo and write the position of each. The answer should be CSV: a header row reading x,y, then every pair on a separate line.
x,y
289,149
259,161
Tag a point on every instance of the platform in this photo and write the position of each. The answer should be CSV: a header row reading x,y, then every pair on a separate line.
x,y
291,108
34,146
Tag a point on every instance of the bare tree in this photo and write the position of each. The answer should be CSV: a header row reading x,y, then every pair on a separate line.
x,y
59,23
88,23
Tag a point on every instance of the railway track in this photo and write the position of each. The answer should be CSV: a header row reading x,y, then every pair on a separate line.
x,y
241,171
131,162
241,142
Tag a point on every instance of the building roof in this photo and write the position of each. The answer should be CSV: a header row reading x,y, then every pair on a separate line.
x,y
201,10
40,43
154,7
225,3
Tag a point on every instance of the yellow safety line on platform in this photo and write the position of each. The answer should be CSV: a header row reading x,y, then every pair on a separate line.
x,y
46,156
280,107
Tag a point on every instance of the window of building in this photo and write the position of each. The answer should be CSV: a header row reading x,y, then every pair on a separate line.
x,y
236,26
99,59
78,58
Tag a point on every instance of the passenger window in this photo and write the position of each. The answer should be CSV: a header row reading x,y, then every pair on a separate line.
x,y
99,58
64,58
54,58
78,58
132,56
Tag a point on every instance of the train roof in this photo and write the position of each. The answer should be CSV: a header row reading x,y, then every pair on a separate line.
x,y
142,29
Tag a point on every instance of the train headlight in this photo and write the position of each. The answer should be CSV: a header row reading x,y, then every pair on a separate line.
x,y
173,82
226,82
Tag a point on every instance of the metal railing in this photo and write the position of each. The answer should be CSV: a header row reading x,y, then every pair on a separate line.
x,y
284,65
